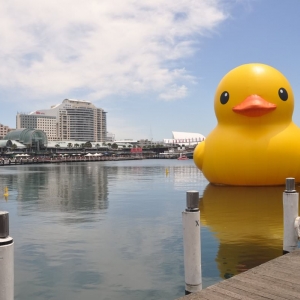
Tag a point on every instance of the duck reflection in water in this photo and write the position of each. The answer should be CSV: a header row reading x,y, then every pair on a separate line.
x,y
247,221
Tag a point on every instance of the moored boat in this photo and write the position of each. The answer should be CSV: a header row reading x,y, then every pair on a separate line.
x,y
182,157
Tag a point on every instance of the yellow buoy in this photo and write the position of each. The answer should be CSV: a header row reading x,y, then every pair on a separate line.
x,y
6,191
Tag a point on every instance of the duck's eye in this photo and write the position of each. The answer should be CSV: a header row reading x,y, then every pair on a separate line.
x,y
283,94
224,97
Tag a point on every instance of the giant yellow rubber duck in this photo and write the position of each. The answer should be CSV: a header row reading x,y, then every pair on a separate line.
x,y
255,142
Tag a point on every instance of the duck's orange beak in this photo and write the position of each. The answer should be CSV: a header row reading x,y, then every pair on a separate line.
x,y
254,106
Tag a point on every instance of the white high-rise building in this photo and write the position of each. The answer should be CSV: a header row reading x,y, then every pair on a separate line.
x,y
74,120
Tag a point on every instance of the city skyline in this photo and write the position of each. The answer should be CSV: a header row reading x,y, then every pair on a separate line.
x,y
152,66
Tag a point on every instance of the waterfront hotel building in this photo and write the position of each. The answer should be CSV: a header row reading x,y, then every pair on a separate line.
x,y
73,119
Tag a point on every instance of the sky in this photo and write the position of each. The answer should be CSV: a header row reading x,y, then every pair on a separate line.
x,y
152,65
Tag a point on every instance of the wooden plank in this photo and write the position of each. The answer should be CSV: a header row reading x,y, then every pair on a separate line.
x,y
278,279
266,282
259,289
278,274
252,290
208,295
225,290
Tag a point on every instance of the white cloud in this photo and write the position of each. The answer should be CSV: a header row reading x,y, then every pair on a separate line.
x,y
174,92
104,47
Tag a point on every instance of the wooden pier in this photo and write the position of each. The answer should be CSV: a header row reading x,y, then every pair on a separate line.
x,y
277,279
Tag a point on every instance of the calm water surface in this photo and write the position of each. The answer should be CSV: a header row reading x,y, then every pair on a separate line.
x,y
112,230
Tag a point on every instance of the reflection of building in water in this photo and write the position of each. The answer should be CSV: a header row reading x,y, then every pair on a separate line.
x,y
248,223
187,174
65,187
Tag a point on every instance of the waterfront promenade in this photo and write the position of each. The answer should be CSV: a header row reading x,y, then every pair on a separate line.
x,y
48,160
276,279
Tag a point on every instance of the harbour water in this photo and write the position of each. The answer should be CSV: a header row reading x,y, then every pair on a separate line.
x,y
113,230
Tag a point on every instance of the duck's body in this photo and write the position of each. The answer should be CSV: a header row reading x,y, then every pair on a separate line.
x,y
259,159
253,144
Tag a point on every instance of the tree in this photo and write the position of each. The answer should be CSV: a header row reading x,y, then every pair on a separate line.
x,y
88,145
70,145
14,147
114,146
109,144
76,145
97,146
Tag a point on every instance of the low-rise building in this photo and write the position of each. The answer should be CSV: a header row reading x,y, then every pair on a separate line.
x,y
4,130
185,138
31,138
110,137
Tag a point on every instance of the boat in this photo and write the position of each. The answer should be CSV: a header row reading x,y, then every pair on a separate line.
x,y
182,157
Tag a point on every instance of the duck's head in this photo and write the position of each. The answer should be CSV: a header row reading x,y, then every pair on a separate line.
x,y
254,94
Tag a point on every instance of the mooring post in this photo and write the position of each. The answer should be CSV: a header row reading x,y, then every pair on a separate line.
x,y
290,213
6,259
192,243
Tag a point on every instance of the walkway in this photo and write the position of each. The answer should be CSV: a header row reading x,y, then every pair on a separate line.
x,y
277,279
25,161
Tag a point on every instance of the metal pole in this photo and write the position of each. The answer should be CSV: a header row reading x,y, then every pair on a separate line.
x,y
192,243
290,213
6,259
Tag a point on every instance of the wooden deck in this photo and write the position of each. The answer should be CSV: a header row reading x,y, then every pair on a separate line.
x,y
277,279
